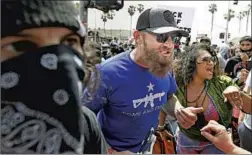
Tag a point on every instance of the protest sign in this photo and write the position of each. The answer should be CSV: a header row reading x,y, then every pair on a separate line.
x,y
183,16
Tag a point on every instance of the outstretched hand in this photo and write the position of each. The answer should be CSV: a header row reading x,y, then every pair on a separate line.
x,y
187,116
218,135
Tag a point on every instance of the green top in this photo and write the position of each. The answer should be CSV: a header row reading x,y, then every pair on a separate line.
x,y
216,86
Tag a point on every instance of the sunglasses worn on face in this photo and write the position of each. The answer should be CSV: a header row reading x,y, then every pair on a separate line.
x,y
163,37
208,59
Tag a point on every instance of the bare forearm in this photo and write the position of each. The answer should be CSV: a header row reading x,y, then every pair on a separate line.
x,y
162,117
178,105
247,108
238,150
241,116
171,105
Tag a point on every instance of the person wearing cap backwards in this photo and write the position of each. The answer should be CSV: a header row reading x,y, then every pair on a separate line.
x,y
205,40
135,84
42,72
237,63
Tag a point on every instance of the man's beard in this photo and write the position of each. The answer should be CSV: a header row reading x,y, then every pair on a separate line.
x,y
158,65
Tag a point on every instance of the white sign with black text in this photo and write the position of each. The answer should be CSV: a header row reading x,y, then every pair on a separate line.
x,y
183,16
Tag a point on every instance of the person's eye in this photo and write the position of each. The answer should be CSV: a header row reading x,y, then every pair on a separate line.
x,y
23,46
72,41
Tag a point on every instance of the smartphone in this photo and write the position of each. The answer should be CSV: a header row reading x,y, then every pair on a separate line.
x,y
249,65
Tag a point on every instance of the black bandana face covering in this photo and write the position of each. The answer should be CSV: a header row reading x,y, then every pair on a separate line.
x,y
248,52
40,96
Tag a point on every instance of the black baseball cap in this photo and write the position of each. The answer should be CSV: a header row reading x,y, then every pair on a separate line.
x,y
26,14
246,38
159,20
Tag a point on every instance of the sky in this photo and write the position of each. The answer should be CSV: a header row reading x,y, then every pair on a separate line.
x,y
201,21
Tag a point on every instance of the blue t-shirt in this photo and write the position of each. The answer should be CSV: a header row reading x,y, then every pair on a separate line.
x,y
128,101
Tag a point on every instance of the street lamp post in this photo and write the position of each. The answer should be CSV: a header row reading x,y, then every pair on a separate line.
x,y
228,16
131,11
95,29
111,15
84,13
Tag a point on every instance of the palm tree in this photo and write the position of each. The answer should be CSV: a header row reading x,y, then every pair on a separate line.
x,y
131,11
111,15
140,8
104,18
228,17
240,17
247,13
212,9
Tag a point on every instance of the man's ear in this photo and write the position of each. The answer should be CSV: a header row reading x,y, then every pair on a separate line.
x,y
137,37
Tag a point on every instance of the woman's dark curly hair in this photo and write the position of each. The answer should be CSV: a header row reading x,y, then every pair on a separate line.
x,y
185,66
92,75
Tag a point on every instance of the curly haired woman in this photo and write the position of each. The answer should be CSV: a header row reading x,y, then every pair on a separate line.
x,y
200,85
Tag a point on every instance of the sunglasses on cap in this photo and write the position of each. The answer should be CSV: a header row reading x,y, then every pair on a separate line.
x,y
207,60
163,37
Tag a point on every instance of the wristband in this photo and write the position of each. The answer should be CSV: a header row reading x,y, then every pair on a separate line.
x,y
161,126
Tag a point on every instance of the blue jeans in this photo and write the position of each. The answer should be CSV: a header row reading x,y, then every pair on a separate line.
x,y
245,137
186,145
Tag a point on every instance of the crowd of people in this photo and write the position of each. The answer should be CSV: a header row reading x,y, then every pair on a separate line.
x,y
105,50
61,93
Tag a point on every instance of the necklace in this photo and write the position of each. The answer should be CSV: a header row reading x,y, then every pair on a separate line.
x,y
197,97
203,100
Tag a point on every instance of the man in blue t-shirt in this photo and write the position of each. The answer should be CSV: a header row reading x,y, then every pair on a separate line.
x,y
135,84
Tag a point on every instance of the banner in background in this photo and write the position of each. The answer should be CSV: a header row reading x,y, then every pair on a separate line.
x,y
183,16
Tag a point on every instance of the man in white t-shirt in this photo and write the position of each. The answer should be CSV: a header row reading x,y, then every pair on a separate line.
x,y
245,130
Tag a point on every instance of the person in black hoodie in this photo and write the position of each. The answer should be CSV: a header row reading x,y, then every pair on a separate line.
x,y
43,71
236,68
237,63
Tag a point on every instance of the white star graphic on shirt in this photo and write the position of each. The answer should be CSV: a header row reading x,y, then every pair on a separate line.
x,y
150,87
